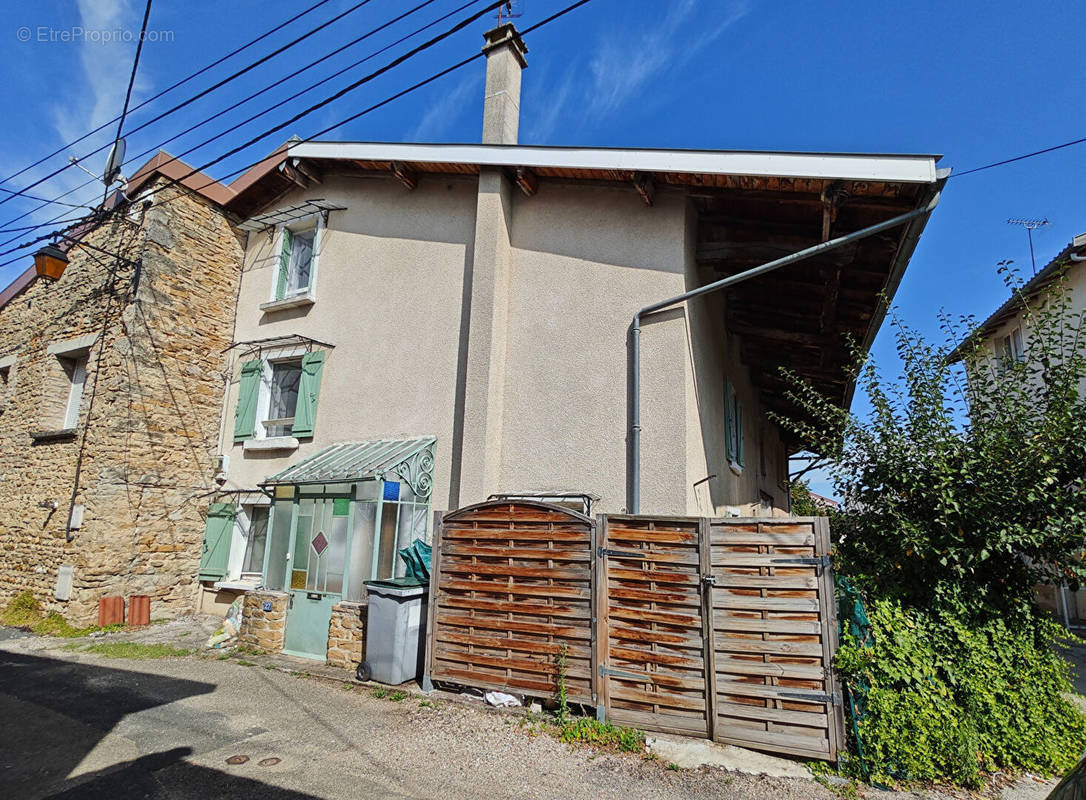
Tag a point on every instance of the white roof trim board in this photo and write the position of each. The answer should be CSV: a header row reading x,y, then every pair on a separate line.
x,y
282,216
838,166
352,461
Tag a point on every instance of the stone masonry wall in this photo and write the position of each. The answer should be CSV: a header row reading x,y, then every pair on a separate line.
x,y
347,635
149,417
264,630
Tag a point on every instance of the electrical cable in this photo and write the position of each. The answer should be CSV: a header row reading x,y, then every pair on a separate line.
x,y
168,89
199,95
1019,158
128,92
308,88
414,87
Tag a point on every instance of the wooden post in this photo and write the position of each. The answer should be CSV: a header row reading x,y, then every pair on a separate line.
x,y
431,603
599,630
705,553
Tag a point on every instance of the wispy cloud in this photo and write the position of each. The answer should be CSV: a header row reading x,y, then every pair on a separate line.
x,y
101,66
623,62
449,108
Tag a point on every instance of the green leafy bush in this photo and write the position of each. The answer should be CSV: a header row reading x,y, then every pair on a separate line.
x,y
950,701
964,488
585,730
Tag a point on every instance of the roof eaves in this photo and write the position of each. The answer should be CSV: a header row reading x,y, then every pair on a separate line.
x,y
1031,288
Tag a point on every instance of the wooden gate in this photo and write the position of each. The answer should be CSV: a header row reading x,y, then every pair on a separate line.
x,y
512,584
652,631
774,636
723,628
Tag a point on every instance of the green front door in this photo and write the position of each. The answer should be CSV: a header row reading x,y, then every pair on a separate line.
x,y
318,559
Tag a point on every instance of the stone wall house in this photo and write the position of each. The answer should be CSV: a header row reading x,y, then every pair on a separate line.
x,y
110,389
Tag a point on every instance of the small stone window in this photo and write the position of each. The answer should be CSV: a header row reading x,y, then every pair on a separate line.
x,y
65,375
7,381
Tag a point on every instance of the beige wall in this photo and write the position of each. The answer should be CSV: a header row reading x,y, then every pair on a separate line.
x,y
580,261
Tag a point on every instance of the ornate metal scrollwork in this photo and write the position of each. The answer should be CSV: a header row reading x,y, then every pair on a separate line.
x,y
418,472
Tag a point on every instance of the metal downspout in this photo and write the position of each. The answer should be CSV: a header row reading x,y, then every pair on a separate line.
x,y
724,283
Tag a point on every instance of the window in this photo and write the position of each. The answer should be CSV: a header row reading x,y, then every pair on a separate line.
x,y
75,369
253,563
733,427
1012,348
277,399
284,379
6,380
297,259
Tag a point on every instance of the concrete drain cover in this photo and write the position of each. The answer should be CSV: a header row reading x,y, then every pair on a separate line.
x,y
269,762
237,760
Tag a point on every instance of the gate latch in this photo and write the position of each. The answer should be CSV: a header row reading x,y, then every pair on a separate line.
x,y
708,580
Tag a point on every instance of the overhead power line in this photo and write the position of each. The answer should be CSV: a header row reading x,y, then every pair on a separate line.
x,y
199,95
170,88
128,92
4,228
419,84
1023,157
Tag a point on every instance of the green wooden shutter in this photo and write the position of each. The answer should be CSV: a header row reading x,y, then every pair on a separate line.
x,y
284,265
248,391
217,535
739,432
305,414
729,420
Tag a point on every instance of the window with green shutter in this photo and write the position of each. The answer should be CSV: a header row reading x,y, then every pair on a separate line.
x,y
217,535
286,239
305,414
248,394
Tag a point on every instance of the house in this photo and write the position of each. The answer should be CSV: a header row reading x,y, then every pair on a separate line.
x,y
421,327
110,391
1004,337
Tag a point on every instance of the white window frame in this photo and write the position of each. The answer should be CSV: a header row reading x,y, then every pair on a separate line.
x,y
7,385
239,540
261,440
78,381
316,222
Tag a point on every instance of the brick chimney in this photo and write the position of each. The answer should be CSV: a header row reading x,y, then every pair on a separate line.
x,y
501,107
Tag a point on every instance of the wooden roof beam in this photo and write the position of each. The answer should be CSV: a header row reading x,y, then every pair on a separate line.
x,y
646,187
527,180
405,175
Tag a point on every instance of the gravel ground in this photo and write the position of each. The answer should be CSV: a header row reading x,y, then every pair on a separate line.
x,y
80,725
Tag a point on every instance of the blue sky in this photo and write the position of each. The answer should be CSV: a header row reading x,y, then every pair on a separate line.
x,y
974,81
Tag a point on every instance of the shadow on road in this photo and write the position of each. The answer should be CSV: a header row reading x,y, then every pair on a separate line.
x,y
55,713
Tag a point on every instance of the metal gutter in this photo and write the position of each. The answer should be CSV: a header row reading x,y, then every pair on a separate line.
x,y
837,166
634,504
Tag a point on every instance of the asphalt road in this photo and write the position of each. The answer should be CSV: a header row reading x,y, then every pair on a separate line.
x,y
77,725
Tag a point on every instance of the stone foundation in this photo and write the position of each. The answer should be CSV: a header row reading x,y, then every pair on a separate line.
x,y
347,635
262,629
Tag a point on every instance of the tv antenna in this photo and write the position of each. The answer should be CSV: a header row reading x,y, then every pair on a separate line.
x,y
511,9
1030,225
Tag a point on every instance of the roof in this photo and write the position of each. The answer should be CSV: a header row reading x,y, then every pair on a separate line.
x,y
357,461
751,206
161,163
1030,289
849,166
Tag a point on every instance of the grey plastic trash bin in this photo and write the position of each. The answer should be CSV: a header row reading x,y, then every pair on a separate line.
x,y
395,631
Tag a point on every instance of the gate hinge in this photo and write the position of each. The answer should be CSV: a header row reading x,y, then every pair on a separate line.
x,y
813,697
617,673
603,551
818,562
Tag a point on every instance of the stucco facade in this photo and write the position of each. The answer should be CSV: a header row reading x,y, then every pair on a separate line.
x,y
390,298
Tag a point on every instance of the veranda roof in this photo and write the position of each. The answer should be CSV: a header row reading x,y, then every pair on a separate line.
x,y
354,461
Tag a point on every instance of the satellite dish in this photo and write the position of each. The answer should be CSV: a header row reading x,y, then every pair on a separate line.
x,y
114,162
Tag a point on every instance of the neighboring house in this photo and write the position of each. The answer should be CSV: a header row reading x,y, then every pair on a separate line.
x,y
110,388
420,327
1005,338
